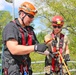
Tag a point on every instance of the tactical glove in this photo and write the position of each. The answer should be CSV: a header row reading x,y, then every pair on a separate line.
x,y
51,54
40,47
67,57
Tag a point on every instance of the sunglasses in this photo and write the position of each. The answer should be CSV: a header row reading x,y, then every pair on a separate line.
x,y
57,26
30,16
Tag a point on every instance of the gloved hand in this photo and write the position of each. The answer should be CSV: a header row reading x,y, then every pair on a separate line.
x,y
51,54
67,57
40,47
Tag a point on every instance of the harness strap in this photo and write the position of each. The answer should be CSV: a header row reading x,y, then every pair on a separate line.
x,y
5,71
22,34
61,45
21,69
55,50
29,37
24,67
23,38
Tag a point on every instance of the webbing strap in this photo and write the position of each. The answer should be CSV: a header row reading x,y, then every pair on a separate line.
x,y
29,39
30,34
53,60
21,68
23,38
29,42
54,50
22,34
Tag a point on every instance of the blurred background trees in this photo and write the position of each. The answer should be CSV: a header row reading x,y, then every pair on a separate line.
x,y
5,17
66,8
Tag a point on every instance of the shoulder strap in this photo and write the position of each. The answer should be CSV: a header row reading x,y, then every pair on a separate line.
x,y
60,49
61,36
22,34
30,35
61,40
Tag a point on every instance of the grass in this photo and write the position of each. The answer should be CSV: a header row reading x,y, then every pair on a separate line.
x,y
40,67
37,57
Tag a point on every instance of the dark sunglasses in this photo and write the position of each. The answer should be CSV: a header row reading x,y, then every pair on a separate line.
x,y
30,16
57,26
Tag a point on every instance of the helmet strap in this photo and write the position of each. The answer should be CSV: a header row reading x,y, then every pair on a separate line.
x,y
23,19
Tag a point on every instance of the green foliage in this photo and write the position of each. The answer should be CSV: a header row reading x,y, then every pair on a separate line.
x,y
72,46
37,57
66,8
5,17
40,37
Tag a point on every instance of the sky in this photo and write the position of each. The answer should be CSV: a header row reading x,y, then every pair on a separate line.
x,y
14,11
4,5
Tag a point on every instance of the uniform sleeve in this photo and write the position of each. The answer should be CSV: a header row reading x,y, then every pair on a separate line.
x,y
66,40
47,37
9,32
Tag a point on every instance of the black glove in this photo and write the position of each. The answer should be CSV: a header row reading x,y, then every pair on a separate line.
x,y
67,57
40,47
51,54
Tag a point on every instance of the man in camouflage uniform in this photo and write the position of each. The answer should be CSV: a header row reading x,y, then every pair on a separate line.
x,y
60,42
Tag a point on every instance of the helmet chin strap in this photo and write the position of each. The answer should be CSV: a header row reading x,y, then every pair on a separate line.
x,y
22,19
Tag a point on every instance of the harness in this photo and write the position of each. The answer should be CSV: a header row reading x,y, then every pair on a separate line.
x,y
24,66
24,59
54,44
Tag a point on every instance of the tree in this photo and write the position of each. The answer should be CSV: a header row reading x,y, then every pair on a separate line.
x,y
66,8
40,37
5,17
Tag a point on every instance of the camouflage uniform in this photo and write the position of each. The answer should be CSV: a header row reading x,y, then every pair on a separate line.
x,y
48,59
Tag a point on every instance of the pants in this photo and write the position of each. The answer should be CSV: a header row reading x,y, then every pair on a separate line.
x,y
48,64
12,68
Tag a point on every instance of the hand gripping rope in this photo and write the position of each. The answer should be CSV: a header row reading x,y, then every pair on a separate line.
x,y
64,63
60,56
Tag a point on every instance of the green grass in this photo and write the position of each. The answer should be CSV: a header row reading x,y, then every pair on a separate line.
x,y
37,57
40,67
